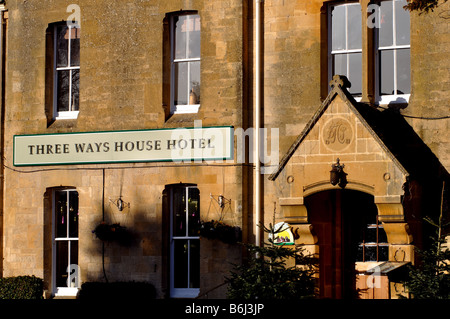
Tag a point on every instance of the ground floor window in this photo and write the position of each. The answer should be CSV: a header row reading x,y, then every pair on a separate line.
x,y
374,245
65,242
184,242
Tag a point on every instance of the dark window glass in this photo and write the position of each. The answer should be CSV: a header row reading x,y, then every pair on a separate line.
x,y
67,68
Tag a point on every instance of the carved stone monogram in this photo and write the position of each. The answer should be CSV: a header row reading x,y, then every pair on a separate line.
x,y
337,134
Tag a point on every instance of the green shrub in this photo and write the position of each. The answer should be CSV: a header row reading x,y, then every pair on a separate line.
x,y
267,276
21,287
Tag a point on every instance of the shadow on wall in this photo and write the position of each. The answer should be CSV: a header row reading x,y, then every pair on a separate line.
x,y
126,251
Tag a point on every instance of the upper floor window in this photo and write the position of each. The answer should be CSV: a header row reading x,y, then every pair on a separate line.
x,y
185,63
345,56
66,71
393,50
391,81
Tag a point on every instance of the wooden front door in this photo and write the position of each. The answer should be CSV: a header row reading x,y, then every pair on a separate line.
x,y
338,218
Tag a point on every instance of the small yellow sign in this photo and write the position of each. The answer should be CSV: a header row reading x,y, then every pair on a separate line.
x,y
283,234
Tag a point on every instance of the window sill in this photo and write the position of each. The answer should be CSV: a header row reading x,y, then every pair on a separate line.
x,y
185,109
393,99
66,292
67,115
185,292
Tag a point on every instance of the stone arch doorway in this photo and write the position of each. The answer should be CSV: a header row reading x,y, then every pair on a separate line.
x,y
339,219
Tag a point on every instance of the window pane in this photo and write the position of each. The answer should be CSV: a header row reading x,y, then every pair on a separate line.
x,y
360,253
387,72
75,34
194,36
194,267
73,214
383,253
338,28
62,45
75,90
180,263
63,90
60,214
370,235
382,237
402,23
181,84
386,24
73,261
403,72
179,211
370,253
194,211
180,37
62,252
194,83
355,70
354,27
340,64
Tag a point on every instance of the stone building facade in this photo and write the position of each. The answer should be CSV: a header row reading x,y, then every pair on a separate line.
x,y
123,51
140,115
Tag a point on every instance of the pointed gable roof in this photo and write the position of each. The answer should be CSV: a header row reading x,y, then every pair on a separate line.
x,y
388,128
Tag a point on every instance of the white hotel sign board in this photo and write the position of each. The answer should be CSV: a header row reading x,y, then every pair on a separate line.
x,y
159,145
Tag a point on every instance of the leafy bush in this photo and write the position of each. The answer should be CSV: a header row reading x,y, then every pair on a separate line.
x,y
21,287
430,279
267,276
117,290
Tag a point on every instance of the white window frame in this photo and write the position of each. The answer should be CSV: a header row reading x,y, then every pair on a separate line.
x,y
332,52
179,108
392,98
180,292
377,243
61,291
71,114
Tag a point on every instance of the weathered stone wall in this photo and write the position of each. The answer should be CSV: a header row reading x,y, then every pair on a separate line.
x,y
430,78
121,88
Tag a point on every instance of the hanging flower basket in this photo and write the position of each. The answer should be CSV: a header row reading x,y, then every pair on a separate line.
x,y
110,232
221,231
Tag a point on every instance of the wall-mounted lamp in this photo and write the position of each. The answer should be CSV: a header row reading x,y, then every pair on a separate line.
x,y
120,204
221,200
337,175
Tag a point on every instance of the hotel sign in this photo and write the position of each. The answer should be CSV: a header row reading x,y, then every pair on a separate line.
x,y
181,144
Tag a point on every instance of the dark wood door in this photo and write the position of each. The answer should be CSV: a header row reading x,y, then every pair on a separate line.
x,y
338,217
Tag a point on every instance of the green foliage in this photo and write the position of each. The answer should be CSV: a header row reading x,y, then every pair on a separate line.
x,y
431,278
267,276
21,287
